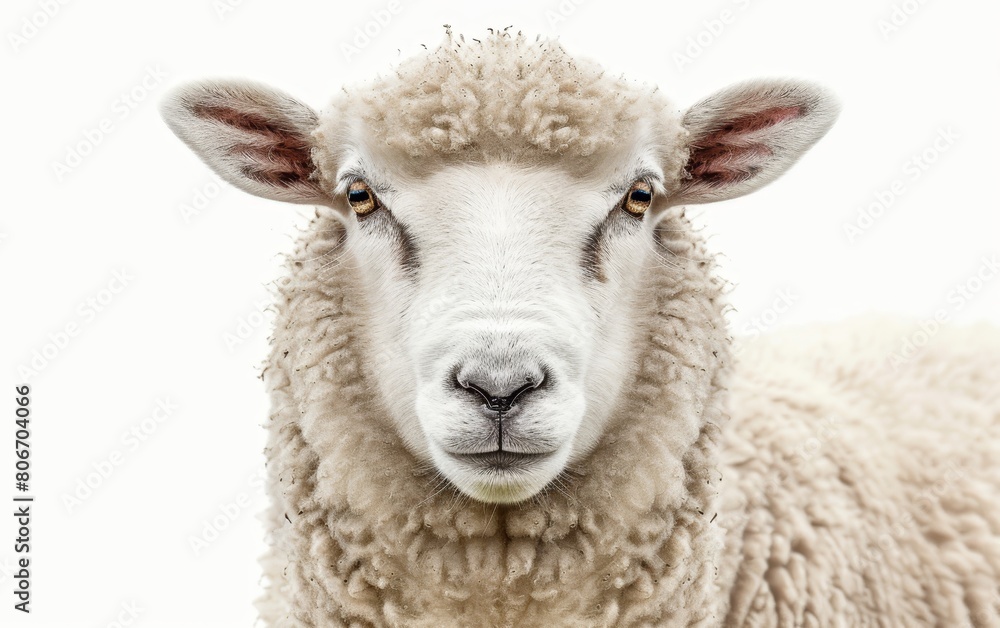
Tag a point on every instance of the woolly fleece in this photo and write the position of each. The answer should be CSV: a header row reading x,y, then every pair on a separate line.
x,y
838,493
857,493
498,96
365,535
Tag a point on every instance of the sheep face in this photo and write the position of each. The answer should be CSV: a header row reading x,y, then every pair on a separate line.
x,y
501,260
503,300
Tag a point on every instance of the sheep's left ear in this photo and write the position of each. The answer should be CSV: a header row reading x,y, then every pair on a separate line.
x,y
251,135
749,134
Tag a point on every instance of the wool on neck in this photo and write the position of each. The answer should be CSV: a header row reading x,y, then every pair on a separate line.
x,y
364,532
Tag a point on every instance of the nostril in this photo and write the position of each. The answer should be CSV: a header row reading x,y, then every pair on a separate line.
x,y
498,398
478,392
529,384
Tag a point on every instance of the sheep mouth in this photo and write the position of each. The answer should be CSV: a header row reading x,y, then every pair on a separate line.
x,y
502,460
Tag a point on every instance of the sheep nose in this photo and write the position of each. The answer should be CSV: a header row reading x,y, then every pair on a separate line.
x,y
499,392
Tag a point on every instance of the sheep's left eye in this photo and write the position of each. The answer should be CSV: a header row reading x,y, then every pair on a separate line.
x,y
638,199
362,199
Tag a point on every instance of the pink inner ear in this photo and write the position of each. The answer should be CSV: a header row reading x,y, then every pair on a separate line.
x,y
281,156
726,155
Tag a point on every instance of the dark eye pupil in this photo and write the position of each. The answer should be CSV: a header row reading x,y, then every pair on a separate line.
x,y
640,196
357,196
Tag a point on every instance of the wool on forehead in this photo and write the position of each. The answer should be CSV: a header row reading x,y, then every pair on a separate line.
x,y
498,94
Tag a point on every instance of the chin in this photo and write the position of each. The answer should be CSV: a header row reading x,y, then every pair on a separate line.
x,y
501,477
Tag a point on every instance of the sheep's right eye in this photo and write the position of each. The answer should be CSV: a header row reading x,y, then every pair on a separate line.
x,y
362,199
638,199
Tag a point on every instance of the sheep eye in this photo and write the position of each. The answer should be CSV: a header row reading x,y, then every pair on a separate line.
x,y
638,199
362,199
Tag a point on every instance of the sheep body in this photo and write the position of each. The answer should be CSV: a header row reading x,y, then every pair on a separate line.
x,y
851,494
811,484
857,492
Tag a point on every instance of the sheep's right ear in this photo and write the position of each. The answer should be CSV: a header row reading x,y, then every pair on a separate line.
x,y
749,134
254,137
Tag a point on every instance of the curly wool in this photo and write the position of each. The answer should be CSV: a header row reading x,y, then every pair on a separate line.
x,y
500,92
859,494
364,535
839,493
850,494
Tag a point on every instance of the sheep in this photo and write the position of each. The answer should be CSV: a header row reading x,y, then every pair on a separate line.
x,y
502,384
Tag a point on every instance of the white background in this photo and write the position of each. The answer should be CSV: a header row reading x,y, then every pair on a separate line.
x,y
193,281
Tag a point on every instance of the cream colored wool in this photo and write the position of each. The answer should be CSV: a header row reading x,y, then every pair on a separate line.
x,y
807,484
859,494
853,495
499,92
372,540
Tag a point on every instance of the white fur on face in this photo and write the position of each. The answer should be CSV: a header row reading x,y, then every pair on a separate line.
x,y
483,271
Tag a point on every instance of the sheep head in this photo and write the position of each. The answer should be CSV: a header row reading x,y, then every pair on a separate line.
x,y
499,202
